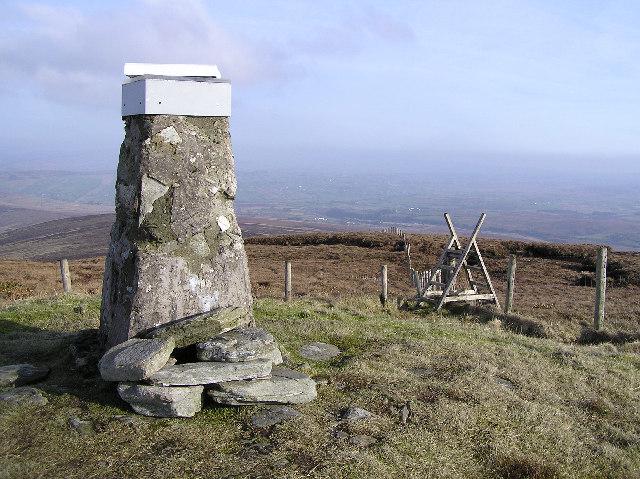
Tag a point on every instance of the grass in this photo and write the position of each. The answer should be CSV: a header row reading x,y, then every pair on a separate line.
x,y
484,402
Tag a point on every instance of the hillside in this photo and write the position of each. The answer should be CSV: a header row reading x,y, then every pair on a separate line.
x,y
554,288
87,236
478,402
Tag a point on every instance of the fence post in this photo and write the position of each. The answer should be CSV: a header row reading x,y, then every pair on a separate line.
x,y
287,280
384,284
65,275
601,288
511,279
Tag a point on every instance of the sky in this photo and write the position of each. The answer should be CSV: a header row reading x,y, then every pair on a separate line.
x,y
528,84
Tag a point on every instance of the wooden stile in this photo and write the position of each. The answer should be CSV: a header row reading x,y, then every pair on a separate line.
x,y
442,286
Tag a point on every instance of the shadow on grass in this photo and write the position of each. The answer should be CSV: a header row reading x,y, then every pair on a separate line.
x,y
512,322
71,356
590,335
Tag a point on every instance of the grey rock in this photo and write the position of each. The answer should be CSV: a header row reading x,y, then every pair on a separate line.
x,y
171,362
405,412
191,374
505,383
200,327
319,351
21,374
240,344
160,401
274,415
176,248
23,395
135,359
83,428
353,413
284,387
362,440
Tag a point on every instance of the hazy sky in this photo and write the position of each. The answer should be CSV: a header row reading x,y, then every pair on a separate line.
x,y
552,83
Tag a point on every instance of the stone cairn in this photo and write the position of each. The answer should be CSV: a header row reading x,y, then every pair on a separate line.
x,y
166,370
176,314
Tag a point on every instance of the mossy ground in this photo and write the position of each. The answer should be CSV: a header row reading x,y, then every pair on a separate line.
x,y
484,402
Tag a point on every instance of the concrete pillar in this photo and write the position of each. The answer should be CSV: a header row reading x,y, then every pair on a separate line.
x,y
176,247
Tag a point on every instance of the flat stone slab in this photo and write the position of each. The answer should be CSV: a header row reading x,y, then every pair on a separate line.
x,y
319,351
21,374
240,344
23,395
160,401
135,359
273,415
191,374
200,327
284,387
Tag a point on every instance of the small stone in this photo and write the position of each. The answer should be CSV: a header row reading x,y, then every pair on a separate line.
x,y
353,413
160,401
21,374
23,395
274,415
80,309
135,359
405,413
284,387
361,440
340,435
191,374
240,344
83,428
200,327
505,383
319,351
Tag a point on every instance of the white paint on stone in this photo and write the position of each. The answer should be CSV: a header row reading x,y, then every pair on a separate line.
x,y
150,191
194,282
170,135
223,223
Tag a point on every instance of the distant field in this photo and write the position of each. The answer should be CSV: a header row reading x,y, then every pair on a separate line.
x,y
88,236
552,280
523,206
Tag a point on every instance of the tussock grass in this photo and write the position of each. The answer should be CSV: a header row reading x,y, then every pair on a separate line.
x,y
484,402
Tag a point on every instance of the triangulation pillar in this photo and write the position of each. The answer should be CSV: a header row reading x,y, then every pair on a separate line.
x,y
176,248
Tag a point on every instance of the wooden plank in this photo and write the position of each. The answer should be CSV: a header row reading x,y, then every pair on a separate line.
x,y
486,273
468,297
601,288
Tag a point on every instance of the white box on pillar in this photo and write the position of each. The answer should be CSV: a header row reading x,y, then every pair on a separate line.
x,y
161,89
